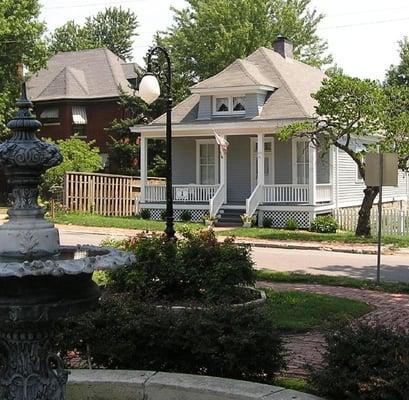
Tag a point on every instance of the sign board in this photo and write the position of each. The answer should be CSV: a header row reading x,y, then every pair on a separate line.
x,y
390,169
182,194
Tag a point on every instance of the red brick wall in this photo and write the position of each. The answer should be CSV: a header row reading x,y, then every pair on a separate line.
x,y
99,115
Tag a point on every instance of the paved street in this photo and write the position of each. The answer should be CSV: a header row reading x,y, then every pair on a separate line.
x,y
395,267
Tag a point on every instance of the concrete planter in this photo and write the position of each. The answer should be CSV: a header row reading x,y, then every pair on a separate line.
x,y
209,222
149,385
247,224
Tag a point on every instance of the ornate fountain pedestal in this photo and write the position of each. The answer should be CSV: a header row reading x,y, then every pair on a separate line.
x,y
40,281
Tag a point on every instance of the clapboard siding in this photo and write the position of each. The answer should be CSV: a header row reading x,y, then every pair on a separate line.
x,y
184,160
254,102
350,191
283,173
238,169
205,108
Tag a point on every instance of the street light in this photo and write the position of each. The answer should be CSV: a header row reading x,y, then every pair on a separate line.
x,y
149,91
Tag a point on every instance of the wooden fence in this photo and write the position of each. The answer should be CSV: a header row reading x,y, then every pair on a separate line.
x,y
394,221
102,194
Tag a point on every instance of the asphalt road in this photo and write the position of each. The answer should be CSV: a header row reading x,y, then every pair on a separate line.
x,y
394,267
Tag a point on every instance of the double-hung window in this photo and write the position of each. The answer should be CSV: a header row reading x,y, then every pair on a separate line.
x,y
302,158
207,163
229,105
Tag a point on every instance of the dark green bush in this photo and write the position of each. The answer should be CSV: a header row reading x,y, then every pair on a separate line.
x,y
291,225
267,222
195,267
223,341
186,216
145,213
324,224
365,363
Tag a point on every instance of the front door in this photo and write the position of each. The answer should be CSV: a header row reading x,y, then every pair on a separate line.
x,y
268,163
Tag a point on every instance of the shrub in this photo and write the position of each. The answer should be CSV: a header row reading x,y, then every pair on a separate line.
x,y
145,213
364,362
163,215
291,225
186,216
267,222
324,224
78,154
223,341
195,267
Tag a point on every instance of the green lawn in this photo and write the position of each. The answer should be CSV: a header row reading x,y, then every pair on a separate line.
x,y
293,277
282,234
298,384
297,312
86,219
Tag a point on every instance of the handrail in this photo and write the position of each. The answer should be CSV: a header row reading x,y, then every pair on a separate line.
x,y
254,200
217,201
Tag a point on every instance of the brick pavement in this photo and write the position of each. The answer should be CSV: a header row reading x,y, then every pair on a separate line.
x,y
390,310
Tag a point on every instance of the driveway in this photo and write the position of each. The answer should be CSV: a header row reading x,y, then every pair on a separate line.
x,y
394,268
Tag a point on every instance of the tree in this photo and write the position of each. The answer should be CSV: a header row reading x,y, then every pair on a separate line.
x,y
208,35
348,109
78,156
113,28
20,44
399,74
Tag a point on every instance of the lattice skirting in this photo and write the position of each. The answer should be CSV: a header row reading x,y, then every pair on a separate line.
x,y
197,214
280,218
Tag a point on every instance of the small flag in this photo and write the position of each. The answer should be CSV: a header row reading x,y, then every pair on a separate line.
x,y
222,142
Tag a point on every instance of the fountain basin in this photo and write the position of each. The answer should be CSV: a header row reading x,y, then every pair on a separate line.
x,y
149,385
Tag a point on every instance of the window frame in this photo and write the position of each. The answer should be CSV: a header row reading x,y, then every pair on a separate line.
x,y
295,162
200,142
230,105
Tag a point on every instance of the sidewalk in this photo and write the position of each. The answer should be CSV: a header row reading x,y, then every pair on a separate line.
x,y
280,244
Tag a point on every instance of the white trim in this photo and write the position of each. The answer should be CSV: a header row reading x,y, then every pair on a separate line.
x,y
176,206
230,105
294,161
253,141
216,91
216,158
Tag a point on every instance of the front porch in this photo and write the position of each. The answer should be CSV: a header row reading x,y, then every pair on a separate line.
x,y
209,181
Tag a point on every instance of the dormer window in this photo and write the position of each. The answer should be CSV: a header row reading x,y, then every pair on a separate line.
x,y
229,105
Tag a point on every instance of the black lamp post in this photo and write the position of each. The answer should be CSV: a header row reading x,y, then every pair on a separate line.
x,y
149,91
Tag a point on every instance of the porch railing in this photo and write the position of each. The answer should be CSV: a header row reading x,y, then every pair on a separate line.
x,y
324,193
254,200
286,194
181,193
217,201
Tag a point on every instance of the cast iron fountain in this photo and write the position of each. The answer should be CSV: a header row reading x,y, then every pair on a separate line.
x,y
40,281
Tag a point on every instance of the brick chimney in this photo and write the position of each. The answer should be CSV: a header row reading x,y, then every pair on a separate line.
x,y
283,46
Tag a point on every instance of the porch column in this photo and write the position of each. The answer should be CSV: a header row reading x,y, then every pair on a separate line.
x,y
144,166
312,173
260,159
223,171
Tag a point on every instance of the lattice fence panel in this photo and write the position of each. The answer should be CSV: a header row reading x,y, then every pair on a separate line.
x,y
280,218
197,214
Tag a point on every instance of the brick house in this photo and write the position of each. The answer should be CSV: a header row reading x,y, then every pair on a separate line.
x,y
78,92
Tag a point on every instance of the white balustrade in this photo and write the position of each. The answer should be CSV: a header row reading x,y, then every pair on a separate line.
x,y
217,201
286,193
181,193
254,200
324,193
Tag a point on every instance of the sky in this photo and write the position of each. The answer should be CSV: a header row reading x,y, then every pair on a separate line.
x,y
362,35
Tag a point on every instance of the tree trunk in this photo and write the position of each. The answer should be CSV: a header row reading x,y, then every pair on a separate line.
x,y
363,227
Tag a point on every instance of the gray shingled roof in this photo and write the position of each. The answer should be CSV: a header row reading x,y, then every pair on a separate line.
x,y
294,82
87,74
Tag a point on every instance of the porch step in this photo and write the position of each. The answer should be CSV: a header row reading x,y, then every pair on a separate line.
x,y
230,217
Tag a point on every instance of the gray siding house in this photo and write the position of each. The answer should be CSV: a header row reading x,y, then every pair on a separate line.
x,y
245,104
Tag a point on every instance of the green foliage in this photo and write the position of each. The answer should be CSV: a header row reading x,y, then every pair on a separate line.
x,y
20,43
208,35
79,156
186,216
124,333
159,165
366,363
195,267
324,224
113,28
267,222
398,75
291,225
145,213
